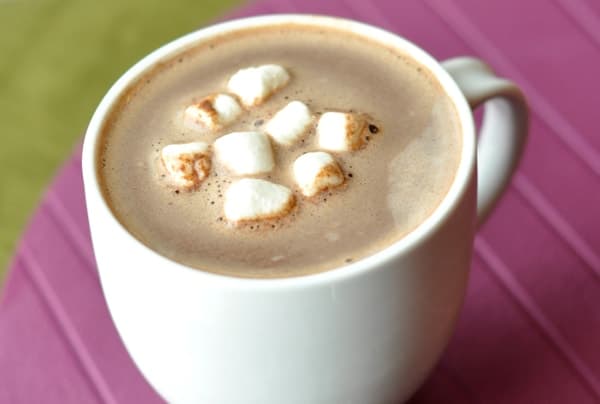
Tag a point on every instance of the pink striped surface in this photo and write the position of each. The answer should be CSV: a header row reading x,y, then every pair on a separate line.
x,y
530,328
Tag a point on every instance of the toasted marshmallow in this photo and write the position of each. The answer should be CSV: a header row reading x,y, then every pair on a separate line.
x,y
317,171
255,84
339,131
289,123
252,199
187,164
245,153
212,112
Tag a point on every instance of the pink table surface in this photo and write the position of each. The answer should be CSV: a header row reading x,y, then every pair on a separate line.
x,y
530,328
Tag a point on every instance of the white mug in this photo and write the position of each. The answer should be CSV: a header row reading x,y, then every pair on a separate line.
x,y
369,332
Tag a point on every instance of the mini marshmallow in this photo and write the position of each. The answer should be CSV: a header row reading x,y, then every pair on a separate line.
x,y
212,112
188,164
252,199
317,171
255,84
339,131
245,153
289,123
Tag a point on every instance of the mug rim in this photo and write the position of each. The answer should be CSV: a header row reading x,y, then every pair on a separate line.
x,y
406,243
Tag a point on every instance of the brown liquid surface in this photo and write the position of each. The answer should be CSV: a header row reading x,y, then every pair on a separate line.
x,y
392,185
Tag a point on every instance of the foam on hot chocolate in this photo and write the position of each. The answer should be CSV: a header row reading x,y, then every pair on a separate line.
x,y
407,156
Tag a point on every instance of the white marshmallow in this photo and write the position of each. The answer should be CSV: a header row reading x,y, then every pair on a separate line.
x,y
339,131
253,199
188,164
245,153
212,112
317,171
289,123
254,84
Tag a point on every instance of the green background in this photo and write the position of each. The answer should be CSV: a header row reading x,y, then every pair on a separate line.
x,y
57,59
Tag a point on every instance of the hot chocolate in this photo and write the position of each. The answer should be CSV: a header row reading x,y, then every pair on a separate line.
x,y
403,167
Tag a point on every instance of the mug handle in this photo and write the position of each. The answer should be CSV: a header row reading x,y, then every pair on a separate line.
x,y
503,130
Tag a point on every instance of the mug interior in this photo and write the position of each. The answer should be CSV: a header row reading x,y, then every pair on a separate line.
x,y
171,50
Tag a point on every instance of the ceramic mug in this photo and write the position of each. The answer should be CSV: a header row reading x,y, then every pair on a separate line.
x,y
369,332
